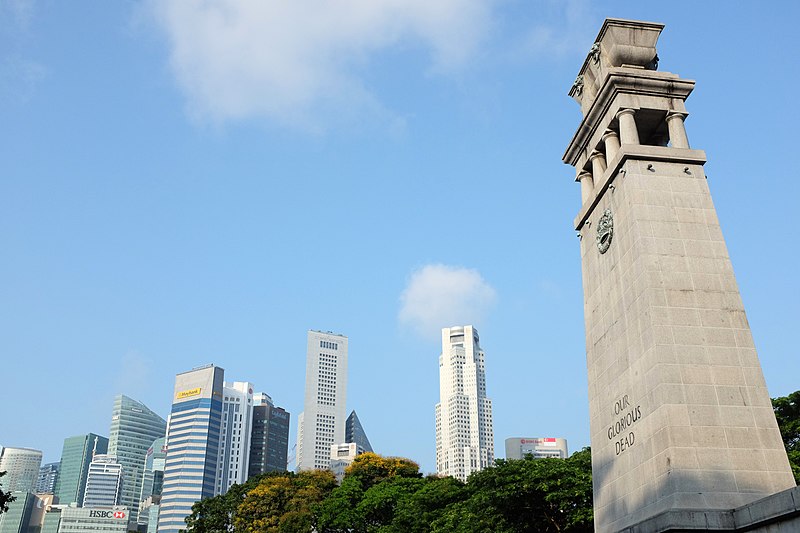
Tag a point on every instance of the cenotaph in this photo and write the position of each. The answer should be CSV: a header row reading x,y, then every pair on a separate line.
x,y
682,427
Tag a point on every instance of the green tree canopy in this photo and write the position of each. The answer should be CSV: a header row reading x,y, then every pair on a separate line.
x,y
787,413
283,504
531,495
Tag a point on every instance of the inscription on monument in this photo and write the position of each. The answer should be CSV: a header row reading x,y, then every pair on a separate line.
x,y
621,430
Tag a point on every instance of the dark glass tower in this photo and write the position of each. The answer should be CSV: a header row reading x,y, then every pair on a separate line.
x,y
269,442
354,432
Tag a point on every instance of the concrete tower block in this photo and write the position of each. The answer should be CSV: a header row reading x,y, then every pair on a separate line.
x,y
681,420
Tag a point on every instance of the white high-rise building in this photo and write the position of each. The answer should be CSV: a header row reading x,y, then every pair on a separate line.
x,y
234,445
322,422
21,466
103,482
464,436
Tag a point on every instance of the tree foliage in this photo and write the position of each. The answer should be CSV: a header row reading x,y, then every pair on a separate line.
x,y
5,497
787,413
284,504
541,495
389,495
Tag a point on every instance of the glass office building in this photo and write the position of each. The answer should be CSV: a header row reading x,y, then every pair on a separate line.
x,y
75,459
134,427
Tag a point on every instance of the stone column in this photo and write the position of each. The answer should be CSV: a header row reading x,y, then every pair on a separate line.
x,y
587,185
598,165
677,130
611,140
627,126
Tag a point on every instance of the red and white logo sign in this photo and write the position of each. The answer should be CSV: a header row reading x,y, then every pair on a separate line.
x,y
119,514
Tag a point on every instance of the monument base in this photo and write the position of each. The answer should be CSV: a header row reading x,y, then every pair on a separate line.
x,y
778,513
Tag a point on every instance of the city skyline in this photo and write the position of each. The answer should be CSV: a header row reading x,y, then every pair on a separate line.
x,y
148,231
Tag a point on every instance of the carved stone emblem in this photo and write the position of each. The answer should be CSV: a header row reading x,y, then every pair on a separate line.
x,y
605,231
594,53
578,86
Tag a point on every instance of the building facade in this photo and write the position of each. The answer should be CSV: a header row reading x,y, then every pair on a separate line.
x,y
103,482
96,520
321,424
269,441
193,438
342,456
75,459
22,469
538,448
152,481
134,427
47,479
464,435
234,448
16,519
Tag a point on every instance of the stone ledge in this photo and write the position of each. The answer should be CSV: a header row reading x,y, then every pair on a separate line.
x,y
778,512
635,151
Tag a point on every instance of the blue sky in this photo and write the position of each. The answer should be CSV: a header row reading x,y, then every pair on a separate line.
x,y
181,184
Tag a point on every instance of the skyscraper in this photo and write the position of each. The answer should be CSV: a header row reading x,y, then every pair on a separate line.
x,y
134,427
152,482
22,469
75,458
321,423
354,432
464,437
48,476
234,448
103,482
193,437
269,442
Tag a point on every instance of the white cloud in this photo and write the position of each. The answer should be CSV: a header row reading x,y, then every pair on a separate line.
x,y
133,373
297,61
439,296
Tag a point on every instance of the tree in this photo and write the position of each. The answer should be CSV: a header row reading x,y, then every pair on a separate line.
x,y
416,513
283,504
217,514
370,468
787,413
371,490
541,496
5,497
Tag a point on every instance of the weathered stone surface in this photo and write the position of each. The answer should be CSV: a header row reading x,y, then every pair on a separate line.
x,y
681,424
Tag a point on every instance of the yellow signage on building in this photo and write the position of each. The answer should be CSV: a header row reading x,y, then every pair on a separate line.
x,y
188,393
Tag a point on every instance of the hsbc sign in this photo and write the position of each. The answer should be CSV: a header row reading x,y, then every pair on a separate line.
x,y
106,514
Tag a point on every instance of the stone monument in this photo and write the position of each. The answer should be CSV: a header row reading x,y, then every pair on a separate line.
x,y
682,428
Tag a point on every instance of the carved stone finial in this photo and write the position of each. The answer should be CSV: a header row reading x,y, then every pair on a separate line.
x,y
594,53
577,87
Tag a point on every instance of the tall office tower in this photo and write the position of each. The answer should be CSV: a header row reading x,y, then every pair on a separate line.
x,y
234,447
134,427
104,482
48,476
269,442
22,469
75,458
16,519
193,435
152,481
544,448
321,423
354,432
464,437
